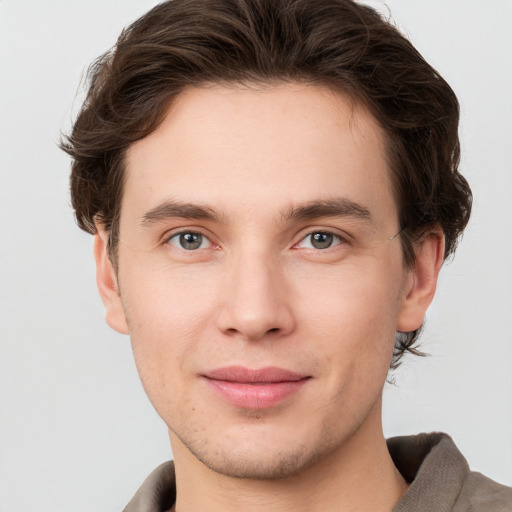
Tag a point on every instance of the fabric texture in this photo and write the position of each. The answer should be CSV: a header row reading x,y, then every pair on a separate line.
x,y
439,476
441,480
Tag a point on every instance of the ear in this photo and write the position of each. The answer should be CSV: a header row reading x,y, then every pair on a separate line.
x,y
106,279
421,281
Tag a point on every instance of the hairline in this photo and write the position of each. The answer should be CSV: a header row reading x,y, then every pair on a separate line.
x,y
356,100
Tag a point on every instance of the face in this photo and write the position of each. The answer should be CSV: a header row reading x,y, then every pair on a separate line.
x,y
258,277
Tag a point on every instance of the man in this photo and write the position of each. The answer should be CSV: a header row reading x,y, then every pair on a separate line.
x,y
273,187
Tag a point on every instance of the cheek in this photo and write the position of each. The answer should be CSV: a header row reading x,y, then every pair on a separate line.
x,y
351,298
351,314
158,296
167,313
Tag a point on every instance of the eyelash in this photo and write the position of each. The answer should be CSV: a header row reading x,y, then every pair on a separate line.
x,y
335,240
179,234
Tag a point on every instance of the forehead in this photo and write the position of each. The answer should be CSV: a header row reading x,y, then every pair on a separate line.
x,y
270,146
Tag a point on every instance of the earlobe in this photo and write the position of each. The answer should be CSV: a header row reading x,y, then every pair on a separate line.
x,y
421,281
106,280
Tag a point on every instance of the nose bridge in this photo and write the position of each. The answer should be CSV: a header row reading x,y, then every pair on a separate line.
x,y
255,299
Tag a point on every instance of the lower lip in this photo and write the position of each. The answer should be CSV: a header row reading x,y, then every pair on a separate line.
x,y
255,396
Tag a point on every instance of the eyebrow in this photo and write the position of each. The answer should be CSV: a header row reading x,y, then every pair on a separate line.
x,y
174,209
337,207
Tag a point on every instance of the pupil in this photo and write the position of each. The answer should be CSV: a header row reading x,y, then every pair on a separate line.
x,y
190,240
322,240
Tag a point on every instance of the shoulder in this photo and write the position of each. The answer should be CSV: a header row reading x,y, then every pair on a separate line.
x,y
441,480
157,493
480,493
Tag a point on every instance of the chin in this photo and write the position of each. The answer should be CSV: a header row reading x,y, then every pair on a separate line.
x,y
257,466
266,456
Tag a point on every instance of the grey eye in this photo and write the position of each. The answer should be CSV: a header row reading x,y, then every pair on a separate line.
x,y
321,240
189,241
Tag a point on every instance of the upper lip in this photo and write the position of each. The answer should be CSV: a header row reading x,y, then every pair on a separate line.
x,y
244,375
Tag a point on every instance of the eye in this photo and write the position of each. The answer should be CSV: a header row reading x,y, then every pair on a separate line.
x,y
320,240
189,240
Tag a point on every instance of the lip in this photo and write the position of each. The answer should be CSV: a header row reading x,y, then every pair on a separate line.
x,y
254,389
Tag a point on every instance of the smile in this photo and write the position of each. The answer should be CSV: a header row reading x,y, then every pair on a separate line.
x,y
255,389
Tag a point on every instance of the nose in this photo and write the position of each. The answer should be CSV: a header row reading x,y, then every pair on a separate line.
x,y
255,303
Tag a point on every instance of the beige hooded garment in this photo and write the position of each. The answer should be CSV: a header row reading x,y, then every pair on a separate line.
x,y
438,473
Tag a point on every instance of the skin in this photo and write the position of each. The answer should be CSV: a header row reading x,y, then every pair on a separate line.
x,y
257,292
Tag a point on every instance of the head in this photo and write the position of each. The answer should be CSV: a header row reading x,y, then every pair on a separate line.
x,y
189,63
338,44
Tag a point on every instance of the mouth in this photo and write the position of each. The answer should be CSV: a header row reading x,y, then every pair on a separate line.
x,y
255,389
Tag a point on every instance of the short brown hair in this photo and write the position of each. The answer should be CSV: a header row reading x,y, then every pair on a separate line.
x,y
336,43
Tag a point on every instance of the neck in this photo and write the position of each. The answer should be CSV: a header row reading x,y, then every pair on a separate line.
x,y
359,475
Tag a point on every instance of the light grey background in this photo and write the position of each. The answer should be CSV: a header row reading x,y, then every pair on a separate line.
x,y
76,431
